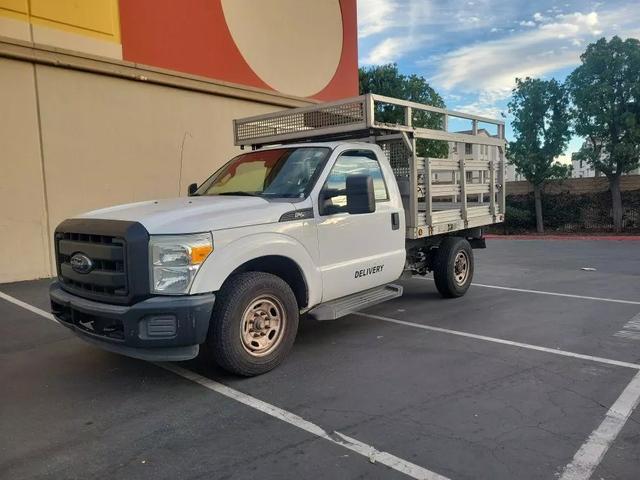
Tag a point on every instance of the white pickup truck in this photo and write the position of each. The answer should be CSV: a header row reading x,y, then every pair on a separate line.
x,y
329,208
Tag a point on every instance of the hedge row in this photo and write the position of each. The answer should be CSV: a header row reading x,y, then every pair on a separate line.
x,y
567,212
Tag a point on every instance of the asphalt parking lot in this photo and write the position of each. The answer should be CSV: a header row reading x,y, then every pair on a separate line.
x,y
533,374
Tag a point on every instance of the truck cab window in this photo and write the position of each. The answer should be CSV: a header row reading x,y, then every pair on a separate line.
x,y
276,173
356,162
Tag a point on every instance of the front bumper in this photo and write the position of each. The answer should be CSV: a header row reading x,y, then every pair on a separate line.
x,y
157,329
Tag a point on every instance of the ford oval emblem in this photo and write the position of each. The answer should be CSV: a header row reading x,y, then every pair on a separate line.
x,y
81,263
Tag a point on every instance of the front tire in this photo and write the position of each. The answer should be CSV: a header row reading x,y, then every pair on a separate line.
x,y
254,323
453,267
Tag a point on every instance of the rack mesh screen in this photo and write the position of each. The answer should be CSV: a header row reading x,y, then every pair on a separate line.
x,y
312,122
399,156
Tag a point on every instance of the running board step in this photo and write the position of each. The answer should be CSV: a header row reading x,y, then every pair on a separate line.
x,y
356,302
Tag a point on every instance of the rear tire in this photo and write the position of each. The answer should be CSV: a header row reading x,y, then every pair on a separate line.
x,y
254,323
453,267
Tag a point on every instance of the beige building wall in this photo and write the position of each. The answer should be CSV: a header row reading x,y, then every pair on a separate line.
x,y
106,140
24,244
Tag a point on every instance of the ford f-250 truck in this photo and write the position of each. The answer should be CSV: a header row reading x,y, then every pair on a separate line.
x,y
329,207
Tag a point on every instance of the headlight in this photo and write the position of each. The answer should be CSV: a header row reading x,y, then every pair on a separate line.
x,y
175,260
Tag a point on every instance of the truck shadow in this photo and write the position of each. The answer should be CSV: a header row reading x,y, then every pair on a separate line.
x,y
315,336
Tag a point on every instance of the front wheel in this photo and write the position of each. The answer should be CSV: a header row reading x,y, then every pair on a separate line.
x,y
254,323
453,267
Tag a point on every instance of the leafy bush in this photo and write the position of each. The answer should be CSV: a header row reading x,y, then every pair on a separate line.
x,y
567,212
519,219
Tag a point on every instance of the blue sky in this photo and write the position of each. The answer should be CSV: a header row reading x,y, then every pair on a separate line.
x,y
471,51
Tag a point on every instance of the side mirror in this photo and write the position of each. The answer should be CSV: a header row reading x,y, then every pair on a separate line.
x,y
360,195
192,189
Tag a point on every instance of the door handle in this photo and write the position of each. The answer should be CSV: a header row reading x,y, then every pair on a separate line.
x,y
395,221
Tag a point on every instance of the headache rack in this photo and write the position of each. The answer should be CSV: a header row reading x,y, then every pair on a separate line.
x,y
462,188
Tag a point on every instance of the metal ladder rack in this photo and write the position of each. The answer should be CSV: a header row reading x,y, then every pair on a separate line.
x,y
432,206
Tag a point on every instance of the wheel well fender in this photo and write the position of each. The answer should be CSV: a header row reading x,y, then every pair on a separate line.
x,y
282,267
278,254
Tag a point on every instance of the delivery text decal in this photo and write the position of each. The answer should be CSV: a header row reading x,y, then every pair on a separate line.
x,y
368,271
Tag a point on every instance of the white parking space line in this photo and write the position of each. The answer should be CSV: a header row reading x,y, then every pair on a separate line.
x,y
502,341
587,459
28,306
542,292
371,453
375,456
594,449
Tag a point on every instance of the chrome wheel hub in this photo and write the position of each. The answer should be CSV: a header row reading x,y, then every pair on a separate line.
x,y
263,324
461,268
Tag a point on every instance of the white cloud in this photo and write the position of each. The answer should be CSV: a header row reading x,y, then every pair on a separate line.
x,y
389,29
393,48
572,25
487,70
375,16
441,38
379,16
485,105
538,17
480,109
494,65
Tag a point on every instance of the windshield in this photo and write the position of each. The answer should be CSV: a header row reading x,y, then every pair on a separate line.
x,y
282,172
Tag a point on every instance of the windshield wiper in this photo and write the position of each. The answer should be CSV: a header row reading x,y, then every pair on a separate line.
x,y
281,195
243,194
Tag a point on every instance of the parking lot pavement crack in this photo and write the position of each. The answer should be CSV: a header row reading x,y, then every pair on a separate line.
x,y
476,388
633,420
564,388
358,411
497,453
591,453
537,426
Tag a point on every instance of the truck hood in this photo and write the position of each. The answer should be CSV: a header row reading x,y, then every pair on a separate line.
x,y
196,214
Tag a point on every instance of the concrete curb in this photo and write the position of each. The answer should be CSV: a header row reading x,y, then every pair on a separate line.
x,y
631,238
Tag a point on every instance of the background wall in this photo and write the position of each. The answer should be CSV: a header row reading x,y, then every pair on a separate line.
x,y
24,251
89,26
576,185
72,141
306,48
106,102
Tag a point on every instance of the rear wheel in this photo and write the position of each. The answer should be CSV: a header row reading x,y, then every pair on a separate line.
x,y
254,323
453,267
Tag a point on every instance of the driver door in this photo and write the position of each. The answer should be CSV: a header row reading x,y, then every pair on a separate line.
x,y
358,251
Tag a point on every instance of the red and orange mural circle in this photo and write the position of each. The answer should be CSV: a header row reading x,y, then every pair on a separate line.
x,y
305,48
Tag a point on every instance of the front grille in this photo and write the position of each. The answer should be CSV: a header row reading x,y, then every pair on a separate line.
x,y
108,277
119,253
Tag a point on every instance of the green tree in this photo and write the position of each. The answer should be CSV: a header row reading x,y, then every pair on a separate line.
x,y
605,91
541,130
387,80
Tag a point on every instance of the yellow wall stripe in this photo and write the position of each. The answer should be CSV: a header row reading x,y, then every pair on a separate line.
x,y
96,18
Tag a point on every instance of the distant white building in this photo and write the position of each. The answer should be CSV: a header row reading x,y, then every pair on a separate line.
x,y
480,152
511,175
470,151
582,169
